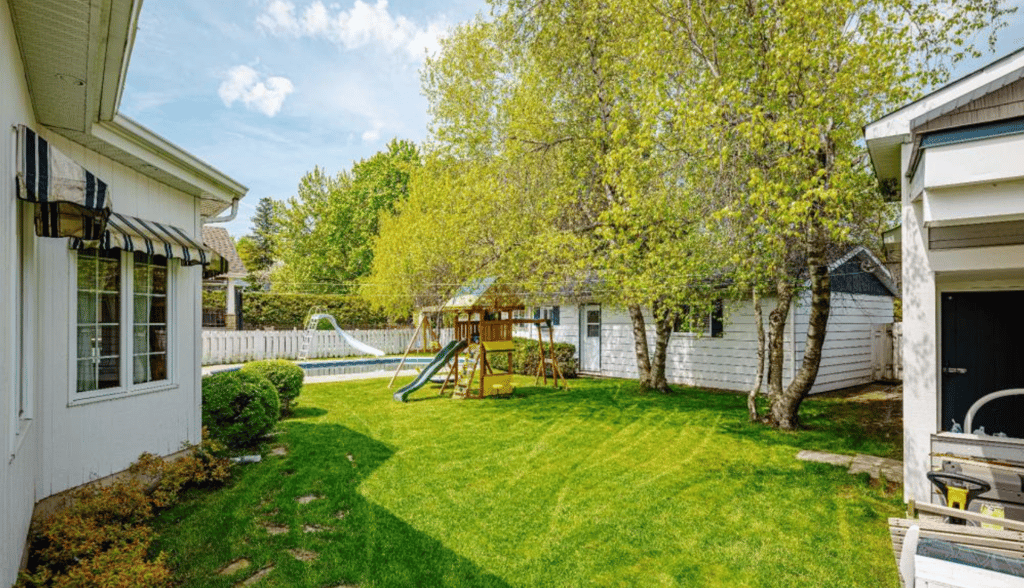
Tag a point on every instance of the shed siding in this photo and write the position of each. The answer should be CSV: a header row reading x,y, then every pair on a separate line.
x,y
730,362
18,463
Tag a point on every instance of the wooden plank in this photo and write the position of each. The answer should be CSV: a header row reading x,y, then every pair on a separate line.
x,y
1008,524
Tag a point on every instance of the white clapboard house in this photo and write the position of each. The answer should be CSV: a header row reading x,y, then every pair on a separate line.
x,y
723,354
954,160
101,262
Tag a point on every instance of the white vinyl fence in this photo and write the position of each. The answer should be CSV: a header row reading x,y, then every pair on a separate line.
x,y
222,347
887,352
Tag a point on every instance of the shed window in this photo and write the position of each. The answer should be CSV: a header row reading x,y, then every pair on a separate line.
x,y
551,313
700,321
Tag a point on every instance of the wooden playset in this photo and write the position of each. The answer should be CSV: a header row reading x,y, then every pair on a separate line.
x,y
482,317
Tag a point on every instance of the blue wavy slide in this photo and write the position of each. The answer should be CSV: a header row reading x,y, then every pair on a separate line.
x,y
440,360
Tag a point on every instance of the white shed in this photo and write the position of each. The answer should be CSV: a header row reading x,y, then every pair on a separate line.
x,y
100,313
955,162
724,355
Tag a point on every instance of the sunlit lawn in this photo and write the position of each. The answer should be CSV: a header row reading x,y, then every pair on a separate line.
x,y
596,486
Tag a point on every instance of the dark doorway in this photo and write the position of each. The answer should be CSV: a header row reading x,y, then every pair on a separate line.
x,y
983,352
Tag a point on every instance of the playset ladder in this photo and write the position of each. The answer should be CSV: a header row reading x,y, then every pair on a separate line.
x,y
307,336
467,371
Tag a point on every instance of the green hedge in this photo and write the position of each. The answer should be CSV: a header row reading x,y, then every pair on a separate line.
x,y
214,299
239,407
525,358
284,375
263,310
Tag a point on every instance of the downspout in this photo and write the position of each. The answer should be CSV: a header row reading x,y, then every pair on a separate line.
x,y
225,218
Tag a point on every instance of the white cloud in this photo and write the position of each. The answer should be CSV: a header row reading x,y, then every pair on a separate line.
x,y
243,83
362,25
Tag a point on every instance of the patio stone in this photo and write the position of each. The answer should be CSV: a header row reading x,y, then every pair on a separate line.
x,y
824,457
341,514
303,554
313,529
233,567
275,529
256,577
351,459
308,498
280,450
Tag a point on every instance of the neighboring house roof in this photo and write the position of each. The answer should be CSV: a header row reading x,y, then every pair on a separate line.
x,y
75,54
860,272
885,135
218,239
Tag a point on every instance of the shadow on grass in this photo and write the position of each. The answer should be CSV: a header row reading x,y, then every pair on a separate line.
x,y
305,412
357,542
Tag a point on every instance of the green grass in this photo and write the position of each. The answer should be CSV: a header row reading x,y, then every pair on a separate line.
x,y
597,486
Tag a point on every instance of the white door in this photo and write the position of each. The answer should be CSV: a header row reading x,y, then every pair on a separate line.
x,y
590,339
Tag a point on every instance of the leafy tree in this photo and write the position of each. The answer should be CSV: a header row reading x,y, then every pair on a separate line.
x,y
326,231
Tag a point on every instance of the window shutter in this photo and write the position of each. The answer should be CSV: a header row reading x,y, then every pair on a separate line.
x,y
555,316
717,326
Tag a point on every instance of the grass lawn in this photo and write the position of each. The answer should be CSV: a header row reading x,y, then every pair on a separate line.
x,y
596,486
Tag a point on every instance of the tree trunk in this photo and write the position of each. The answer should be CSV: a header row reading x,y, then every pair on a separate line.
x,y
643,356
785,406
758,382
663,331
777,336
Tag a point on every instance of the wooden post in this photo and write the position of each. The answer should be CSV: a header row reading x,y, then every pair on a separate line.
x,y
556,372
405,355
541,371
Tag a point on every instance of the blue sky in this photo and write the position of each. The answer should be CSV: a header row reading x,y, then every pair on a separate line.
x,y
266,89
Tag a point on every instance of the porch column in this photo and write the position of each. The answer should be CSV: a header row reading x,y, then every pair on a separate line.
x,y
230,316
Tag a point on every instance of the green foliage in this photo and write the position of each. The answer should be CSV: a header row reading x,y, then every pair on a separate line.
x,y
288,311
325,237
525,358
239,407
284,375
214,299
103,539
265,227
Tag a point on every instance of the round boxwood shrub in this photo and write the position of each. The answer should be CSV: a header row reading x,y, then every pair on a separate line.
x,y
284,375
239,407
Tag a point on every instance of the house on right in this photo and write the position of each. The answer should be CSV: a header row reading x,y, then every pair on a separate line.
x,y
954,160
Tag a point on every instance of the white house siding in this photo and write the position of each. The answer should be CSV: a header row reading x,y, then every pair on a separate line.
x,y
20,456
846,355
69,444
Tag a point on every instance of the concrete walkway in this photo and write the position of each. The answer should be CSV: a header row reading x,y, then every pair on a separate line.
x,y
876,467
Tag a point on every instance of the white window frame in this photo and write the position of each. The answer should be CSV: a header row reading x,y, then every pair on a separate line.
x,y
127,326
546,312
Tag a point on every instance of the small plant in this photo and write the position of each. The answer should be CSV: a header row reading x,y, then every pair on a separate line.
x,y
102,538
239,407
284,375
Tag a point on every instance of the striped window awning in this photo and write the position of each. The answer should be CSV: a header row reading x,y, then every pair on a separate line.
x,y
70,200
136,234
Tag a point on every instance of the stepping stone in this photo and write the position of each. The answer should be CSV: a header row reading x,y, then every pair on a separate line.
x,y
280,450
256,577
235,566
823,457
351,458
892,470
866,464
313,529
275,529
307,498
341,514
303,554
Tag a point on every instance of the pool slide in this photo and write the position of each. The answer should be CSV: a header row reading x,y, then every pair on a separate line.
x,y
439,361
352,341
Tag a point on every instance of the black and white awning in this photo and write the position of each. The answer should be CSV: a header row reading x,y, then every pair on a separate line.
x,y
136,234
70,200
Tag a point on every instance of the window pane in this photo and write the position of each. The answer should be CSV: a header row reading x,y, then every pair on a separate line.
x,y
158,338
141,344
110,308
141,274
158,310
160,276
158,367
87,270
142,369
593,316
109,275
86,307
110,373
593,330
86,337
110,340
86,375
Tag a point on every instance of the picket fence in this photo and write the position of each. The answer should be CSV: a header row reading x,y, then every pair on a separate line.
x,y
887,352
224,347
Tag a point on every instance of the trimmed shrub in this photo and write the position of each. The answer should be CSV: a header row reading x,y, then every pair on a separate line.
x,y
263,310
525,358
239,407
284,375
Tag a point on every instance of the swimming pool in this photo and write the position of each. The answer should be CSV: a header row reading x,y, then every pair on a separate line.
x,y
362,365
